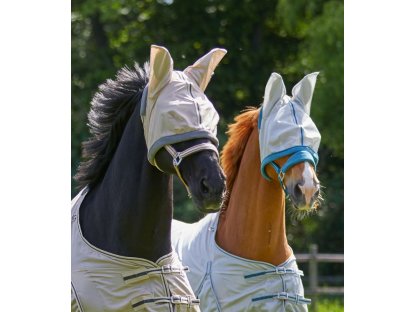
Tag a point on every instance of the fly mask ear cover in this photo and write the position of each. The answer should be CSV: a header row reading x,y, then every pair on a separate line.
x,y
285,127
174,107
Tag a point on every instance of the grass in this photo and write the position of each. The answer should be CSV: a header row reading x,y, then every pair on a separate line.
x,y
328,305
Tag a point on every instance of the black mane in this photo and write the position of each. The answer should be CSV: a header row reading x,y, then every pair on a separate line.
x,y
111,108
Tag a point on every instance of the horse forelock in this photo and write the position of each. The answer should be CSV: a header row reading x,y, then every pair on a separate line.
x,y
111,108
232,153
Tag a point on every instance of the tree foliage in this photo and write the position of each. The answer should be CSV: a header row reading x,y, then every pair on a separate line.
x,y
290,37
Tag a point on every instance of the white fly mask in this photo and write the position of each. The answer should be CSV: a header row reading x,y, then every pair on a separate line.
x,y
174,107
285,127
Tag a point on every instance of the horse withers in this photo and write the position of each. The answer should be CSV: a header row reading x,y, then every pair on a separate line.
x,y
146,125
239,258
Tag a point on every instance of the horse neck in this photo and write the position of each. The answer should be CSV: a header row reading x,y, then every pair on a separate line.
x,y
130,211
253,224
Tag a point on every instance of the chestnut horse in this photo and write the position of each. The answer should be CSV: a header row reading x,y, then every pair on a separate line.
x,y
240,259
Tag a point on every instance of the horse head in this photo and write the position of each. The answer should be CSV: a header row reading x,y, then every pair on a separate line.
x,y
289,142
180,125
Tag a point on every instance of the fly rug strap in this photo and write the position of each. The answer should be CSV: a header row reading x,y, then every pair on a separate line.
x,y
143,303
146,302
143,274
280,270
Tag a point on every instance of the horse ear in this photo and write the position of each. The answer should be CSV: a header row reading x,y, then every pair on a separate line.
x,y
303,91
203,69
275,91
161,68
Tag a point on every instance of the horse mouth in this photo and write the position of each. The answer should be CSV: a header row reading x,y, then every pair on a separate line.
x,y
301,208
299,211
209,194
208,205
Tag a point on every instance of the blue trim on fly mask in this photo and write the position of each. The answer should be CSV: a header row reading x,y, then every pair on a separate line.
x,y
296,121
143,101
310,156
299,154
260,117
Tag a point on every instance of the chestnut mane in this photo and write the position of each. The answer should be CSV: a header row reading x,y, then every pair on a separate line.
x,y
232,153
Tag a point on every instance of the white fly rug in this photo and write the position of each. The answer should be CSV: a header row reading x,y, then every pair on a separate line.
x,y
102,281
224,282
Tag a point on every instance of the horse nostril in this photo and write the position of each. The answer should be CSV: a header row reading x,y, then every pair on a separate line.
x,y
204,186
298,191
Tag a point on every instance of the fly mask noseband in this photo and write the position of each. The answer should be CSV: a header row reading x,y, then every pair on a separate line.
x,y
285,127
178,156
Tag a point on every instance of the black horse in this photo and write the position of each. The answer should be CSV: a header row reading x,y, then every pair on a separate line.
x,y
138,123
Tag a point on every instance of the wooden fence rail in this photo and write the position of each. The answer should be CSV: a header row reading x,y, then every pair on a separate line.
x,y
313,258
